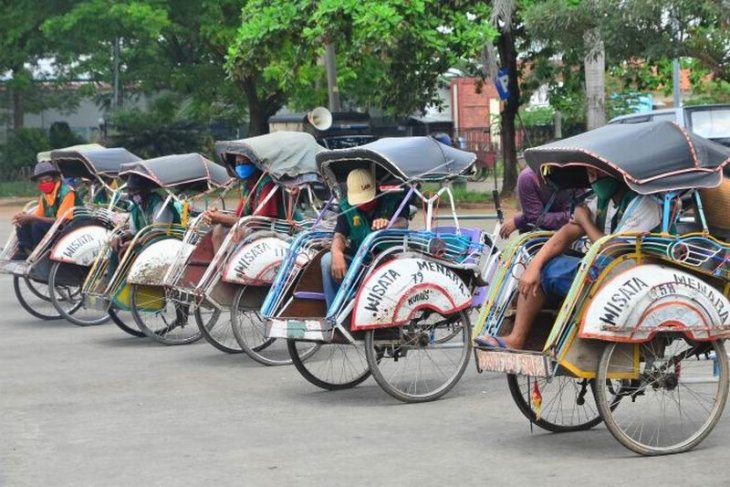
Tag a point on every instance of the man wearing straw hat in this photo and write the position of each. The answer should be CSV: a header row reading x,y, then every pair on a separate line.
x,y
56,201
361,213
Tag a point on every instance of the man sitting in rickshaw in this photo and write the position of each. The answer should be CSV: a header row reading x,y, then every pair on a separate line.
x,y
550,273
146,209
256,200
56,200
362,212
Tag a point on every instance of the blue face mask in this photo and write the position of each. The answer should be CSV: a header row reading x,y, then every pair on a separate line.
x,y
244,171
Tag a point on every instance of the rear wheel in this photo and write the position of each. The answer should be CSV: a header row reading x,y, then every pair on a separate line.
x,y
163,320
35,298
67,297
422,360
249,330
331,366
215,326
567,403
672,399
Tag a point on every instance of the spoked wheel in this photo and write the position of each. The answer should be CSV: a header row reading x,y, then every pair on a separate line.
x,y
215,326
122,321
249,330
566,403
672,397
422,360
35,298
163,320
67,298
331,366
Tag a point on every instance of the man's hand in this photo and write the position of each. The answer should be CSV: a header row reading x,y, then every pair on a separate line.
x,y
379,223
530,280
21,218
507,228
211,216
339,266
582,216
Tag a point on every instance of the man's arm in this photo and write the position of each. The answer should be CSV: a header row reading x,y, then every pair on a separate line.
x,y
339,264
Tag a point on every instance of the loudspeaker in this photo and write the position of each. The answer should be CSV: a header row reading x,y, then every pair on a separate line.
x,y
320,118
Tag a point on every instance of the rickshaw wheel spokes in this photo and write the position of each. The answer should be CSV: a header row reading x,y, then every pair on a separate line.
x,y
567,402
215,326
69,302
426,358
35,298
166,321
673,402
331,366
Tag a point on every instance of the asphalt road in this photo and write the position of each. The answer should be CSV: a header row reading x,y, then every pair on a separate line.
x,y
94,407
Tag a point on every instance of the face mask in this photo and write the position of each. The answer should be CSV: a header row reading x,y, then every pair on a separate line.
x,y
244,171
605,188
369,206
47,187
137,199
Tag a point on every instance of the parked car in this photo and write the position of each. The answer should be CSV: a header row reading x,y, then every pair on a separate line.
x,y
709,121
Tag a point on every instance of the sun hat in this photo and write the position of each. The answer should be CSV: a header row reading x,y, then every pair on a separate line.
x,y
44,168
360,186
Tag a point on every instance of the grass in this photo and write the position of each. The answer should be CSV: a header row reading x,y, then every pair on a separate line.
x,y
18,189
461,194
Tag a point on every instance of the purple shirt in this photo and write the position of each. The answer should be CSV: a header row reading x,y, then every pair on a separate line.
x,y
534,196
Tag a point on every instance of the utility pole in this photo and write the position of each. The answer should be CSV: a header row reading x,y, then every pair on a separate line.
x,y
675,83
117,101
330,63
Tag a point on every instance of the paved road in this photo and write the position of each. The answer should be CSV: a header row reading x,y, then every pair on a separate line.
x,y
93,407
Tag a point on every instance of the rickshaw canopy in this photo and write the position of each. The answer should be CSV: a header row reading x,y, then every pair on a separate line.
x,y
288,157
405,159
46,155
92,160
181,171
650,157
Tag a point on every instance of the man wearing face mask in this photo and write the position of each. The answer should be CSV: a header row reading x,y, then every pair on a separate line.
x,y
362,212
550,273
56,200
146,209
258,198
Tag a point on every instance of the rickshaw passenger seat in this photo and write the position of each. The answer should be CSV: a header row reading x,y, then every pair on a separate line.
x,y
314,296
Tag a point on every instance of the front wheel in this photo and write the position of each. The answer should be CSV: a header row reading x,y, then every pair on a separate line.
x,y
215,326
164,320
117,319
566,403
35,298
422,360
674,391
66,296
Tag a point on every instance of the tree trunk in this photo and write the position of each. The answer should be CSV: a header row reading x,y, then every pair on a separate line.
x,y
508,56
595,67
17,88
258,119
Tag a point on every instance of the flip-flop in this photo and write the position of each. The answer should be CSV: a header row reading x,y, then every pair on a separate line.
x,y
482,342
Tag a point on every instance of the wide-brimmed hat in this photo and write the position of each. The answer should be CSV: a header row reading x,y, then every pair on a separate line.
x,y
360,186
44,168
135,182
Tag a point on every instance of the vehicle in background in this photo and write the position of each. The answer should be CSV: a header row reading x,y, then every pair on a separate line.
x,y
709,121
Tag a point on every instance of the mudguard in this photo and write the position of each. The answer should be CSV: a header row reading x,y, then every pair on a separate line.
x,y
81,245
639,302
257,262
394,292
152,264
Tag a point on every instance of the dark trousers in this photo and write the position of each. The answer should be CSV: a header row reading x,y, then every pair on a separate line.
x,y
30,234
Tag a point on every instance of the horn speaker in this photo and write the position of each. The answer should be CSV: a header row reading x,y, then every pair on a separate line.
x,y
320,118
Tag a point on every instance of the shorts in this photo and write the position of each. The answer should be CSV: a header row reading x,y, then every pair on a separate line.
x,y
558,274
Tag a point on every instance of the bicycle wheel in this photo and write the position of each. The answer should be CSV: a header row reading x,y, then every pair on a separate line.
x,y
35,298
673,399
331,366
249,330
69,301
122,323
422,360
567,404
215,326
163,320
